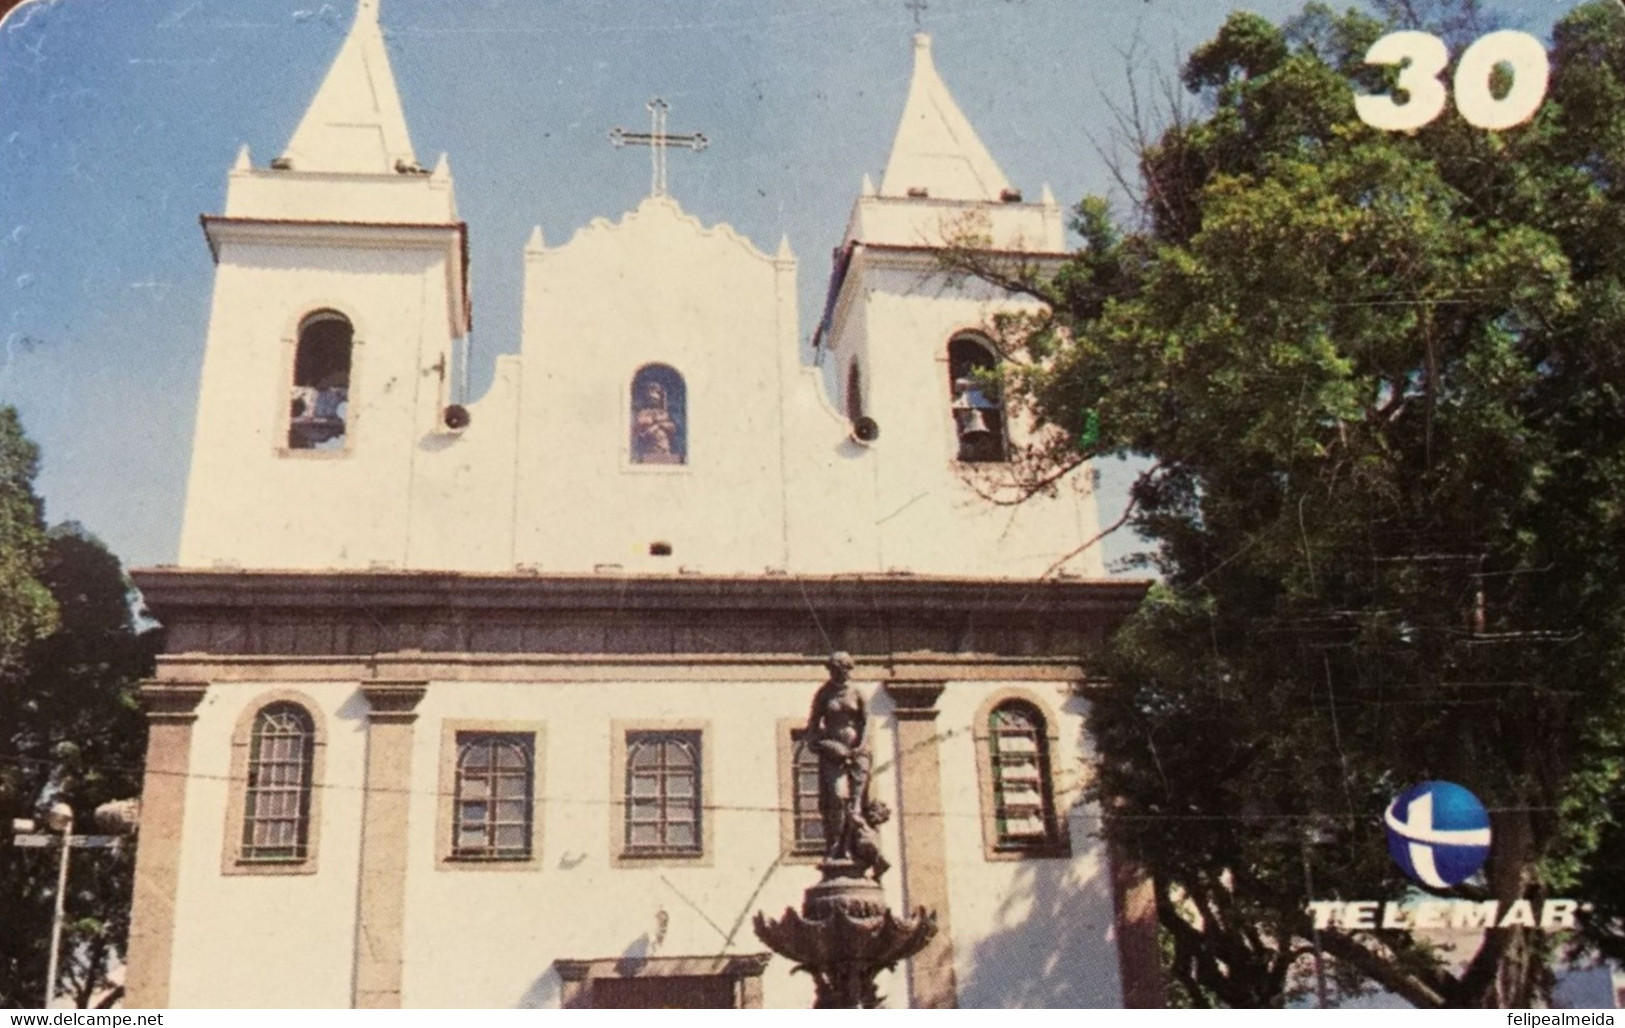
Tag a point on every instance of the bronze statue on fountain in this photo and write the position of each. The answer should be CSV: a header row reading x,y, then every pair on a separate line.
x,y
844,934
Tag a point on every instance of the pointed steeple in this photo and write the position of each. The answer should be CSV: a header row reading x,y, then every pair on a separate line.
x,y
936,150
355,124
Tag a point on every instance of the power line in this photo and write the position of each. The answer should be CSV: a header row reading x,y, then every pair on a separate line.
x,y
1064,784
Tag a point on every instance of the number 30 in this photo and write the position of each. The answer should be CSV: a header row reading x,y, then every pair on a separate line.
x,y
1423,59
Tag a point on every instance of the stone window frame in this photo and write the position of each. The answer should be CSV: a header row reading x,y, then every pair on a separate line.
x,y
620,856
576,977
1059,845
290,355
232,860
789,850
446,857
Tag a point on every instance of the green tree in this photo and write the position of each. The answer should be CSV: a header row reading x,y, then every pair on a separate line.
x,y
1378,384
26,610
68,719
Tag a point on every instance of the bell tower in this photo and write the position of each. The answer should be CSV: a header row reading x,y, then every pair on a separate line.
x,y
340,290
906,352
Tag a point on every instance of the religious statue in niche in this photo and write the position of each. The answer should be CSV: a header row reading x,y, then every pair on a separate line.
x,y
657,435
837,730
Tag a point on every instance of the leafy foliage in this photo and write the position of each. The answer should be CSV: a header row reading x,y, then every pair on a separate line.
x,y
26,611
1379,382
70,730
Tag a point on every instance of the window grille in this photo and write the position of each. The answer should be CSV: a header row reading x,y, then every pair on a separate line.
x,y
1023,792
494,801
276,820
809,824
663,793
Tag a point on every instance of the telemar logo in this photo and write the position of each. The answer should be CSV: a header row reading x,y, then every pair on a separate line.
x,y
1439,834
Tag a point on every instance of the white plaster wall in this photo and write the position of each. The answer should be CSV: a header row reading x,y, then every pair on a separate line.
x,y
483,938
922,222
830,481
543,478
268,940
318,196
250,502
462,513
926,511
655,287
1027,933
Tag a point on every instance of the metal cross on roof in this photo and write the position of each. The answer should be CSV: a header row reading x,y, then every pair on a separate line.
x,y
657,139
919,7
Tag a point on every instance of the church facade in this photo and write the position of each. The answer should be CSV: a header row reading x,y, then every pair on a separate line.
x,y
501,703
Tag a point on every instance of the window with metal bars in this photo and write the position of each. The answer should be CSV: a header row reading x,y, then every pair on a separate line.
x,y
1023,792
276,816
809,825
663,793
494,802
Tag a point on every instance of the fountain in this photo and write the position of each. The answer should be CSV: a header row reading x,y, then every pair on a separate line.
x,y
845,934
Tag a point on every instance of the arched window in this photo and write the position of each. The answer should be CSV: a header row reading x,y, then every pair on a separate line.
x,y
319,405
494,801
1023,790
854,392
663,793
659,416
276,809
978,410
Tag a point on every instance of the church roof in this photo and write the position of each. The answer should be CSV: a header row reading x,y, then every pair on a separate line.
x,y
355,123
936,150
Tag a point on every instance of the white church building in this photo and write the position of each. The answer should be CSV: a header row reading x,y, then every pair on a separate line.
x,y
497,703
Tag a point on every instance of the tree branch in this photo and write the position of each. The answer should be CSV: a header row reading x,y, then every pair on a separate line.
x,y
1128,514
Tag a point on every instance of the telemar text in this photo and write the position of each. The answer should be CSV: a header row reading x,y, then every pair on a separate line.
x,y
1469,915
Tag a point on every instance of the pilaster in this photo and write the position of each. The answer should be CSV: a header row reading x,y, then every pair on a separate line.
x,y
381,913
1139,955
931,982
171,711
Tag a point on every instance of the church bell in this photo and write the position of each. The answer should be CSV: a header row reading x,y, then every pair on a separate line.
x,y
973,426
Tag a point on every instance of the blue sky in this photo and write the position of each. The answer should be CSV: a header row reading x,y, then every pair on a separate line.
x,y
118,122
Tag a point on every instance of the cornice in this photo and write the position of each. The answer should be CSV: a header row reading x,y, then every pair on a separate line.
x,y
178,588
323,616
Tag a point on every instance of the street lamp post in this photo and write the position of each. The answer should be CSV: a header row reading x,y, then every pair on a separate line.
x,y
59,819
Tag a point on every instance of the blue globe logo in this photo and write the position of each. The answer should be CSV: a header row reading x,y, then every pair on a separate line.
x,y
1438,834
